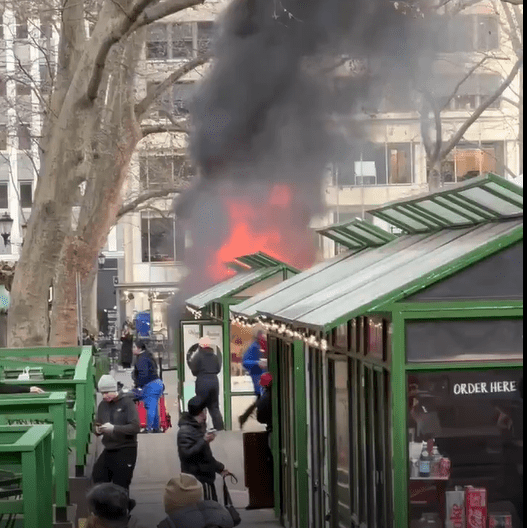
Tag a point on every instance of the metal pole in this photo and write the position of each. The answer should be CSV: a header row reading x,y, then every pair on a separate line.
x,y
79,307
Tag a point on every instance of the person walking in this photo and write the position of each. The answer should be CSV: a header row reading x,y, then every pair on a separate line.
x,y
206,365
127,345
255,364
195,453
148,385
110,507
185,507
118,424
7,388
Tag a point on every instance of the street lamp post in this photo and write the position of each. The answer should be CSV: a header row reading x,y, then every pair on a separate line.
x,y
6,223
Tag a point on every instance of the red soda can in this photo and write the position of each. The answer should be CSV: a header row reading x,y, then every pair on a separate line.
x,y
444,467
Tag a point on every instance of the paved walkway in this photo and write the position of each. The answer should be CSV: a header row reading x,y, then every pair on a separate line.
x,y
158,462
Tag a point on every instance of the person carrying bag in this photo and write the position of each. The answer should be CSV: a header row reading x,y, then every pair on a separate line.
x,y
227,500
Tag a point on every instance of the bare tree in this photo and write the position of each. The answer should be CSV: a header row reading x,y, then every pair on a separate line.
x,y
91,127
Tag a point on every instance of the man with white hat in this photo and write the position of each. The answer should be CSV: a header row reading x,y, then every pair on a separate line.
x,y
206,365
118,424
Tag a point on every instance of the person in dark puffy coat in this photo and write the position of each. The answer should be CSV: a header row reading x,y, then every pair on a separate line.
x,y
194,450
206,366
185,507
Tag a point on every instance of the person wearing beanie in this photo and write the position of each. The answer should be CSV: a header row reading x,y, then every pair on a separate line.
x,y
110,507
118,424
185,507
148,385
206,366
195,453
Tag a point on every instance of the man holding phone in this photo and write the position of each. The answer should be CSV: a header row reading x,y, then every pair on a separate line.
x,y
118,424
194,450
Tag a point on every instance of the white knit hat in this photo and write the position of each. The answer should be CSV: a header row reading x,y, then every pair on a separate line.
x,y
107,384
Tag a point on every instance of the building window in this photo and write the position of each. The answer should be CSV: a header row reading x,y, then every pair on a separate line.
x,y
469,160
400,163
182,93
21,28
4,202
182,41
24,137
157,44
205,34
157,236
469,33
471,94
178,41
162,171
3,91
26,194
23,89
3,137
473,420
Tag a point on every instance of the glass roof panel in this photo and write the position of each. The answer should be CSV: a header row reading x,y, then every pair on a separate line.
x,y
374,276
356,234
443,212
499,205
404,220
444,199
483,198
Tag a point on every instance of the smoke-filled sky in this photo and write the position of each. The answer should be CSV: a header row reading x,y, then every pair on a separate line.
x,y
260,116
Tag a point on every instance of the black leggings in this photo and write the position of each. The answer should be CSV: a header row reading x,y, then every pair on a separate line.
x,y
116,467
208,390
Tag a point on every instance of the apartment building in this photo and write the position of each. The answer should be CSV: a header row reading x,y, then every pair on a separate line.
x,y
391,162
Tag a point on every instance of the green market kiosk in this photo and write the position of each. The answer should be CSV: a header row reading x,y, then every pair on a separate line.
x,y
255,273
397,341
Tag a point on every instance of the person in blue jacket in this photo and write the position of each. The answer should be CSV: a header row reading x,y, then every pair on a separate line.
x,y
148,385
255,364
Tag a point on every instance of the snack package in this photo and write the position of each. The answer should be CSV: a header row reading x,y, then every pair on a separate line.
x,y
476,507
455,509
500,520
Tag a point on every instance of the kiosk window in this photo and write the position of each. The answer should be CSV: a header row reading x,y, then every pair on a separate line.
x,y
465,435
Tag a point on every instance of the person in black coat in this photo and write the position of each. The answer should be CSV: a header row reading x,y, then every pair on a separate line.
x,y
195,453
127,345
206,365
7,388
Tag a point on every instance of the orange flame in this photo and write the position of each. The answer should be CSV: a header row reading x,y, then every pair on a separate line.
x,y
265,228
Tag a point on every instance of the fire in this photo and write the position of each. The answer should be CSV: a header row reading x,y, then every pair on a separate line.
x,y
266,226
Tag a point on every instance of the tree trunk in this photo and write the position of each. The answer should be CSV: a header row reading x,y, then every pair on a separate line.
x,y
434,176
89,302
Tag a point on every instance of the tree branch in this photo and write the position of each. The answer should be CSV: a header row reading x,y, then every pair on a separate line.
x,y
432,152
162,192
155,91
161,129
463,80
481,108
161,10
142,14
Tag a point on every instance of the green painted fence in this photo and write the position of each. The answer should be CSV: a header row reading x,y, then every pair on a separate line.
x,y
26,482
49,408
77,380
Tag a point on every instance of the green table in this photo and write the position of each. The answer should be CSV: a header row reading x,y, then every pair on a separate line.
x,y
49,407
27,450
